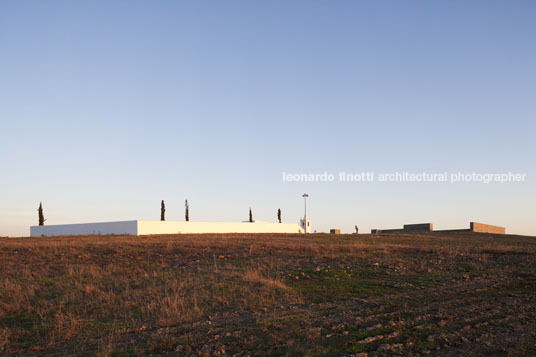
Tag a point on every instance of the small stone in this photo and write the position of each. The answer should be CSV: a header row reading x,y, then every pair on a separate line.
x,y
179,348
389,348
371,339
374,327
384,348
396,346
393,335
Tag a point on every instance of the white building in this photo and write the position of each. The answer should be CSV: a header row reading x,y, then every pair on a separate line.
x,y
305,224
138,228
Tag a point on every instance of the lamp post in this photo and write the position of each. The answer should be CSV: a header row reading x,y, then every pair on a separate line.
x,y
305,217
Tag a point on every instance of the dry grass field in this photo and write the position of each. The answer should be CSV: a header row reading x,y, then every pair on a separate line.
x,y
434,294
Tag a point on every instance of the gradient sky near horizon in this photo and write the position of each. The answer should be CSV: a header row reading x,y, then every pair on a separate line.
x,y
108,107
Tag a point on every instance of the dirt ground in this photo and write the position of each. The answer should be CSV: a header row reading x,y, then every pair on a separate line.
x,y
262,294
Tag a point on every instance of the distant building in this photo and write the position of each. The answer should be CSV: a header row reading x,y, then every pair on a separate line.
x,y
429,227
138,228
305,224
408,228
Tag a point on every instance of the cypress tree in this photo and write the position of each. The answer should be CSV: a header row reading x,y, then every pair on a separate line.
x,y
279,215
163,211
41,215
186,211
250,215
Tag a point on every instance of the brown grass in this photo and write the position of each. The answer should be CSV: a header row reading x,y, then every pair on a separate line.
x,y
110,295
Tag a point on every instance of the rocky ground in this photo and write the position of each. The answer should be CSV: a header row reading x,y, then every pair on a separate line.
x,y
345,295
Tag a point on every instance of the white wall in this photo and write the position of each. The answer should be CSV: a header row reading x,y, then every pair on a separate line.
x,y
162,227
123,227
170,227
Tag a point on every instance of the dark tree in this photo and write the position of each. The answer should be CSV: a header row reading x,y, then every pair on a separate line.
x,y
250,215
279,215
163,211
41,215
186,211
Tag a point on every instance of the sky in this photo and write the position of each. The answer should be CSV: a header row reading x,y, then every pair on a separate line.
x,y
107,108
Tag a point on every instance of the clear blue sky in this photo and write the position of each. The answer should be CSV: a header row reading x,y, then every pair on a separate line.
x,y
106,108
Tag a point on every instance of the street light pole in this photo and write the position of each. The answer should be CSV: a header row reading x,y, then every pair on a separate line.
x,y
305,217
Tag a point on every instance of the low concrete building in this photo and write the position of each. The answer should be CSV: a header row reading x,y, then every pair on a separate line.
x,y
138,227
334,231
486,228
419,227
408,228
429,227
